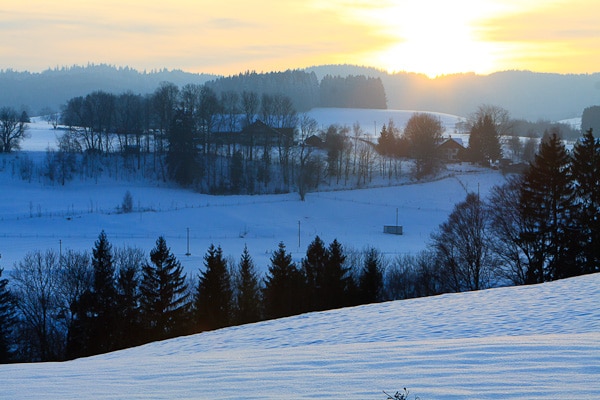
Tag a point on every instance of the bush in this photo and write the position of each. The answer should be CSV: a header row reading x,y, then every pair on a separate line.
x,y
399,395
127,205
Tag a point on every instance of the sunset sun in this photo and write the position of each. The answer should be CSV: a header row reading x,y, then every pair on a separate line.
x,y
434,43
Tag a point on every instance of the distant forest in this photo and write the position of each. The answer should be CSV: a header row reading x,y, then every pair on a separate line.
x,y
525,95
38,93
306,91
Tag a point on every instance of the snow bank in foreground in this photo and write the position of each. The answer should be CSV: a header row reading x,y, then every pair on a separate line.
x,y
533,342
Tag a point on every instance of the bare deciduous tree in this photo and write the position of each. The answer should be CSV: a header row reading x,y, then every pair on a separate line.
x,y
13,129
36,282
462,246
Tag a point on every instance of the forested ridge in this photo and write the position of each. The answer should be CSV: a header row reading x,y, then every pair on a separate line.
x,y
526,95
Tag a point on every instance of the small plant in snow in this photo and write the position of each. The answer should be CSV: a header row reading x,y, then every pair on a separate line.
x,y
127,205
403,395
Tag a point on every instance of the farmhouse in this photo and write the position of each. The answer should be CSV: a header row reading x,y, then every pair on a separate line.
x,y
452,150
257,133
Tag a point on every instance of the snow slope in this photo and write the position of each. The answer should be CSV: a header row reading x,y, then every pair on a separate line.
x,y
531,342
371,121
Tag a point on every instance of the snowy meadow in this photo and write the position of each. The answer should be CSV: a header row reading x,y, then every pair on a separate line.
x,y
533,342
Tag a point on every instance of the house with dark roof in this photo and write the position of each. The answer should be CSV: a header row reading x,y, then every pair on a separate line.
x,y
256,134
452,150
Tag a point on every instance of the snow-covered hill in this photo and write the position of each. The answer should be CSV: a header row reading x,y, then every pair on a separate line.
x,y
532,342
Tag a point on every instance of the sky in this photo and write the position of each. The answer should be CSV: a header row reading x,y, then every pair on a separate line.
x,y
226,37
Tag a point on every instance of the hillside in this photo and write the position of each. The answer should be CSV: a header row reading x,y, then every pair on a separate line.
x,y
526,95
531,342
54,87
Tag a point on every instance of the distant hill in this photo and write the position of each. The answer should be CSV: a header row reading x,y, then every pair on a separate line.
x,y
52,88
526,95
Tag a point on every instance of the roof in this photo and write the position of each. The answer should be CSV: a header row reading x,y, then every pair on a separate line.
x,y
453,143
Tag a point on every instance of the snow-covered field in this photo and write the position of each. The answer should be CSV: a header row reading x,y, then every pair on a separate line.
x,y
37,216
533,342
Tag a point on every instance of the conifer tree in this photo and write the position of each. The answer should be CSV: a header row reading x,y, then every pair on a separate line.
x,y
247,291
7,320
336,281
163,300
284,286
213,302
94,325
484,145
386,141
104,297
546,200
371,278
128,320
586,176
313,266
104,275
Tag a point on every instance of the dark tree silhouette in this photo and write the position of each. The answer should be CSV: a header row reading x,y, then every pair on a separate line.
x,y
313,266
128,262
370,283
13,129
7,320
336,282
586,176
284,286
163,293
35,284
546,200
213,302
181,156
484,143
94,327
423,133
247,291
463,245
590,119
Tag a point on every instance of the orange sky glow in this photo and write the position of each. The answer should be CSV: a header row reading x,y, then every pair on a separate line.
x,y
433,37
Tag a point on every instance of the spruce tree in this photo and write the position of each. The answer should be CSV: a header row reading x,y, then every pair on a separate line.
x,y
213,302
546,200
247,291
313,266
336,281
386,141
284,286
104,297
128,320
94,324
163,293
484,144
7,320
586,176
370,284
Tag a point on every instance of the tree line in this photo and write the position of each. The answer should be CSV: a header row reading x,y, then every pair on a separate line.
x,y
194,137
73,304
